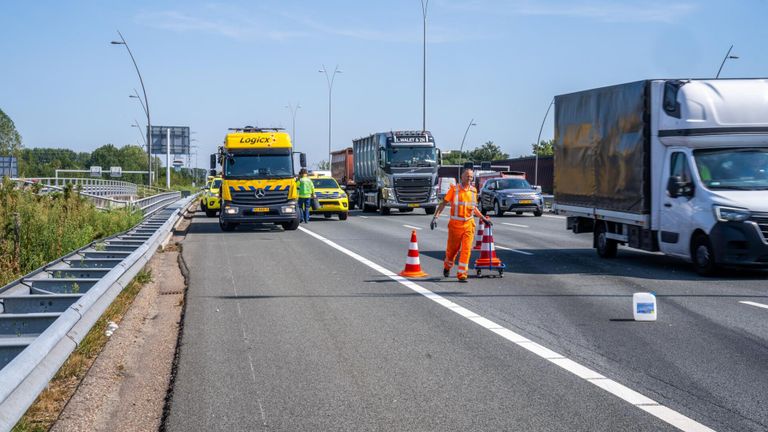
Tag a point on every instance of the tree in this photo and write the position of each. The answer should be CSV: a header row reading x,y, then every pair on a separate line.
x,y
455,158
10,140
323,165
105,156
487,152
544,148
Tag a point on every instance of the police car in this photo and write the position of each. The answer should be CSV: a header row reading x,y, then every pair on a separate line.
x,y
210,200
332,198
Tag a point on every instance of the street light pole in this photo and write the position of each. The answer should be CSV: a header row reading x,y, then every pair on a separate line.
x,y
293,111
329,80
461,149
536,148
727,56
145,105
424,6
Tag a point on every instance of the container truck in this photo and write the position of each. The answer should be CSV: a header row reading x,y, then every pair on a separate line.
x,y
672,166
258,182
396,170
343,170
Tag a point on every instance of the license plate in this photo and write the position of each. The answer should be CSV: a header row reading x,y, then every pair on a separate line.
x,y
260,210
526,202
413,205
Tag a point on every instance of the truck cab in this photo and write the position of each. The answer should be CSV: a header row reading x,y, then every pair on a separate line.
x,y
258,179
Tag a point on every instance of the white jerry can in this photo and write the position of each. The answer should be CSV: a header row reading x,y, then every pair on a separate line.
x,y
644,306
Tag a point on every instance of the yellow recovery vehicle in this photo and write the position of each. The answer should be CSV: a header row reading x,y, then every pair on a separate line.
x,y
258,182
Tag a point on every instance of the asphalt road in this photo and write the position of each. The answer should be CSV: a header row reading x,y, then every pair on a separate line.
x,y
306,330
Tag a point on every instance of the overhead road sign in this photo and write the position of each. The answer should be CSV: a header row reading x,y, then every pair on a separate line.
x,y
179,138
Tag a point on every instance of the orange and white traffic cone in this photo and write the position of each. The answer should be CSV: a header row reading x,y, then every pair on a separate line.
x,y
412,263
488,259
479,235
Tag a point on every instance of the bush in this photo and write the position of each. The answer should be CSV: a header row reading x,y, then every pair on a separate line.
x,y
36,229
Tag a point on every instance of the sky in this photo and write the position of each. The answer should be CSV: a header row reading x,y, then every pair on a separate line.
x,y
213,66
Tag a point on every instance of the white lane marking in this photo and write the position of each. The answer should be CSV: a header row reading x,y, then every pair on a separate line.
x,y
412,227
515,225
623,392
513,250
364,217
760,305
554,216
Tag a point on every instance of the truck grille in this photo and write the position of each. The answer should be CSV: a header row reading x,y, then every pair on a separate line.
x,y
761,219
248,197
413,190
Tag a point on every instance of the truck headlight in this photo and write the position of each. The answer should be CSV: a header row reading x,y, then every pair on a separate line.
x,y
230,210
729,214
289,209
388,193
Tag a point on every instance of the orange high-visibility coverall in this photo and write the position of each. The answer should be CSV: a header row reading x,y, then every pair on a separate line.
x,y
461,227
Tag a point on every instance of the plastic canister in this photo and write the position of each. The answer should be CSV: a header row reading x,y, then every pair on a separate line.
x,y
644,306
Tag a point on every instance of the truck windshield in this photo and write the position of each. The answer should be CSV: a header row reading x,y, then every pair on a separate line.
x,y
406,157
256,166
734,169
514,184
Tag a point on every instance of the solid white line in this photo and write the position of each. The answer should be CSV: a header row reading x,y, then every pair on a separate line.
x,y
513,250
554,216
515,225
760,305
411,227
625,393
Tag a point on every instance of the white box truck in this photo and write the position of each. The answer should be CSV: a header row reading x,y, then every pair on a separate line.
x,y
676,166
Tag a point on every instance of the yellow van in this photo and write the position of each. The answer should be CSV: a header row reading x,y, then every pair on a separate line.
x,y
210,201
332,198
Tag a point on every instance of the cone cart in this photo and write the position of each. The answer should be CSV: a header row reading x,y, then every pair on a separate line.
x,y
488,259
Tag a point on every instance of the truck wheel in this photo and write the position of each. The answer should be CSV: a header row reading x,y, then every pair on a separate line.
x,y
497,209
538,213
702,256
227,226
605,247
210,213
430,210
383,210
290,226
327,215
343,216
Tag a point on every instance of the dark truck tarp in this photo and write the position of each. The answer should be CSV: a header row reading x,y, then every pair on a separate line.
x,y
602,148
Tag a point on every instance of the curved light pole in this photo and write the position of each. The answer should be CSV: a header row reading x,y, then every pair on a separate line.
x,y
461,149
293,110
330,80
727,56
538,140
424,6
145,105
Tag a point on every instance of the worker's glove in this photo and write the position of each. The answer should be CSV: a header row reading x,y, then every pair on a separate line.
x,y
488,222
433,224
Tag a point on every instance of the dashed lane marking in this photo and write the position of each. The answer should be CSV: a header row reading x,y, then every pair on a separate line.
x,y
760,305
412,227
625,393
515,225
513,250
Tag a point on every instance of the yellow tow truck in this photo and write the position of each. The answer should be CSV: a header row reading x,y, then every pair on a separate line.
x,y
258,183
333,199
210,201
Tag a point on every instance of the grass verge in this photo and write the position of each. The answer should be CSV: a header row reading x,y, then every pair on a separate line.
x,y
45,410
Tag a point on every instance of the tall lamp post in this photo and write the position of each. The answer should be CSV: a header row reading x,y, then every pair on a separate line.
x,y
727,56
330,78
293,110
145,105
424,6
538,140
461,149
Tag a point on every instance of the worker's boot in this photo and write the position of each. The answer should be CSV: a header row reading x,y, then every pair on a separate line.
x,y
446,272
463,278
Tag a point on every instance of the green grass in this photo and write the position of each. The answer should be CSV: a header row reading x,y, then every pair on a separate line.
x,y
36,229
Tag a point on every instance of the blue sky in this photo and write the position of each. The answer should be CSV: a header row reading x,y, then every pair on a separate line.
x,y
212,66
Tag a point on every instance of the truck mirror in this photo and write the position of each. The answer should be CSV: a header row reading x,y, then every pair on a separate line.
x,y
677,187
303,160
213,161
212,172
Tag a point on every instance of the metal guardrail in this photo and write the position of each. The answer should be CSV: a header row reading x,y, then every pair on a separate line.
x,y
91,186
44,315
102,199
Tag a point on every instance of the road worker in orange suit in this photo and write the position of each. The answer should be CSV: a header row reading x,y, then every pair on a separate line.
x,y
461,227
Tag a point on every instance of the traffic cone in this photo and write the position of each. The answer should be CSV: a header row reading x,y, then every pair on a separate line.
x,y
488,258
412,263
479,235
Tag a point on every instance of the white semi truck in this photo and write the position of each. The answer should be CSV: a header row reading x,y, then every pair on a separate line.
x,y
676,166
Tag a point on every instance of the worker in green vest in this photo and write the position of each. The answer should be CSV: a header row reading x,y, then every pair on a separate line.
x,y
306,192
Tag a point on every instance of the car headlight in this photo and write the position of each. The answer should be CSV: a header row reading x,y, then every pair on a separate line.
x,y
729,214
